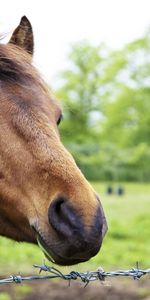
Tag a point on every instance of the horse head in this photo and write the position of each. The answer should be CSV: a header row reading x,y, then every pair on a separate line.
x,y
44,197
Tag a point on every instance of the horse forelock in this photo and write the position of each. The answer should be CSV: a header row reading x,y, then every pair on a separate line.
x,y
16,67
19,79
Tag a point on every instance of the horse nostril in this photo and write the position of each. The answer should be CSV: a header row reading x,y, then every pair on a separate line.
x,y
62,217
57,206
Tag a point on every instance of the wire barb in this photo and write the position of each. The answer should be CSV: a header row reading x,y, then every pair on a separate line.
x,y
86,277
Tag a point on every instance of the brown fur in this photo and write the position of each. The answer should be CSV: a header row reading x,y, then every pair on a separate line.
x,y
34,165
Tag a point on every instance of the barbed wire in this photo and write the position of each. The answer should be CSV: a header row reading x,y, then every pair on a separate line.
x,y
85,277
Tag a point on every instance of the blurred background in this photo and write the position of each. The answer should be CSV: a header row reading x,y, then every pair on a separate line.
x,y
95,55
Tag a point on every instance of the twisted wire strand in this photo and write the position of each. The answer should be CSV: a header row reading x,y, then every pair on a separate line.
x,y
85,277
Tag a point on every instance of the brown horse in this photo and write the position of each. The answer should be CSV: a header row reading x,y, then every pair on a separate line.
x,y
44,198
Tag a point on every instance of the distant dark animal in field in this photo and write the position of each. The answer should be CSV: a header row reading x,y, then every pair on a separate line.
x,y
44,198
109,190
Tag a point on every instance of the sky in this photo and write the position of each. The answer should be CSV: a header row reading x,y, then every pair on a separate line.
x,y
59,23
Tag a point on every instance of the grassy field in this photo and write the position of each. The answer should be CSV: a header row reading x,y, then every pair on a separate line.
x,y
126,242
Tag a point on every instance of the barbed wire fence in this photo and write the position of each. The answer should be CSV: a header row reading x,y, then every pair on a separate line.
x,y
86,277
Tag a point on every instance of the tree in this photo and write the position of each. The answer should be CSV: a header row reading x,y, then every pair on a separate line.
x,y
81,97
107,109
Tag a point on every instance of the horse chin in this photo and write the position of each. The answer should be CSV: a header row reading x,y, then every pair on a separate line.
x,y
55,257
44,247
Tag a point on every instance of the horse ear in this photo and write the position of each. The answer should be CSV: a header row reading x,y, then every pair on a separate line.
x,y
23,35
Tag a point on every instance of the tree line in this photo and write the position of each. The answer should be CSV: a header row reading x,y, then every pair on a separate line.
x,y
106,103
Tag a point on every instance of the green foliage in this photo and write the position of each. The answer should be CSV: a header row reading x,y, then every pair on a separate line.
x,y
107,112
80,93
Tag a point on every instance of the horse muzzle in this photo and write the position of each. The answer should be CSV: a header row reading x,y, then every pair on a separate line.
x,y
74,241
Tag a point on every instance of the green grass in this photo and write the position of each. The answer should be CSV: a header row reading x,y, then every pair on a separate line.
x,y
126,242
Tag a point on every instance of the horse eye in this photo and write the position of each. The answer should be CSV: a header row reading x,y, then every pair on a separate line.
x,y
59,120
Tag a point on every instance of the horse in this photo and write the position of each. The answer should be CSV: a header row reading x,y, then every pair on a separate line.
x,y
44,197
